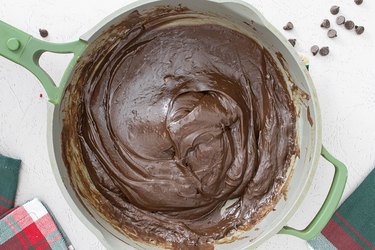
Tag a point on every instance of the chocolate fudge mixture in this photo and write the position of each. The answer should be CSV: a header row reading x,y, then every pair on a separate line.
x,y
187,131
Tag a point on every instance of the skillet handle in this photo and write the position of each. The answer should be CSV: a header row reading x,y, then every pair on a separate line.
x,y
330,204
26,51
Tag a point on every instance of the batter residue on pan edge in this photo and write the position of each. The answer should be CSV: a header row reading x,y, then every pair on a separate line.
x,y
186,131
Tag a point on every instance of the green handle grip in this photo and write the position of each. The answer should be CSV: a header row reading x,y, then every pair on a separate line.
x,y
26,51
330,204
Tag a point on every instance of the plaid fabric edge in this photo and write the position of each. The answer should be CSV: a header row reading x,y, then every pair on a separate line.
x,y
30,226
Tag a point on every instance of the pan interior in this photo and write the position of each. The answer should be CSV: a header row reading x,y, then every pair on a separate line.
x,y
79,178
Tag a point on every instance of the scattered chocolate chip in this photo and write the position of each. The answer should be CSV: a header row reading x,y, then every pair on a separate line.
x,y
324,51
43,32
358,2
349,25
359,29
288,26
332,33
325,24
335,10
315,50
292,42
340,20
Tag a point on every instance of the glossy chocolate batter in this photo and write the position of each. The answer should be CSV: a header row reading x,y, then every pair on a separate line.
x,y
187,131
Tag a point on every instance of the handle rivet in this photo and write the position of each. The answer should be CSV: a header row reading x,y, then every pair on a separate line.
x,y
13,44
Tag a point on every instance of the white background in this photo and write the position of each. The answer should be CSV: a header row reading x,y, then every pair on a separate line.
x,y
344,81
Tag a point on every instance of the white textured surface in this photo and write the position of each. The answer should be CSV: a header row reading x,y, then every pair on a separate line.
x,y
345,82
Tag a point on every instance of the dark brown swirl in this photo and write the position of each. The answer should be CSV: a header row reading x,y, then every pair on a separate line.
x,y
187,130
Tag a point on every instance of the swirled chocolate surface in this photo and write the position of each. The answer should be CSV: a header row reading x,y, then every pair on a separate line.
x,y
186,130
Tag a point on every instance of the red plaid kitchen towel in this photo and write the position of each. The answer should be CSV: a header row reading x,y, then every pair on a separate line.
x,y
30,226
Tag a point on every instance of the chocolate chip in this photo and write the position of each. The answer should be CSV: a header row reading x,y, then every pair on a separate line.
x,y
332,33
292,42
325,24
349,25
43,32
340,20
314,49
288,26
335,10
324,51
359,29
358,2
